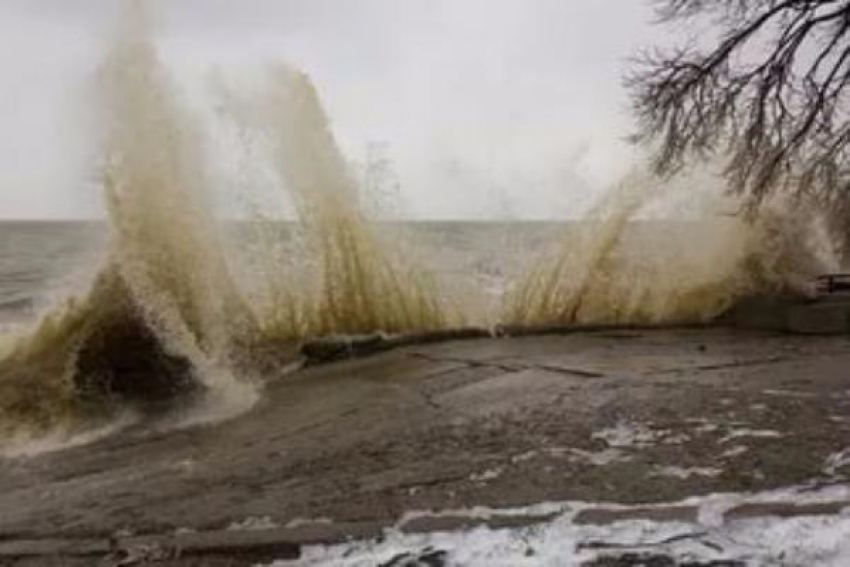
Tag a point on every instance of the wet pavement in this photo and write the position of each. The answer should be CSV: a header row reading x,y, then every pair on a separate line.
x,y
631,417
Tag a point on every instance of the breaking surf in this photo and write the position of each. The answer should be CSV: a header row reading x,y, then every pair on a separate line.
x,y
163,318
178,318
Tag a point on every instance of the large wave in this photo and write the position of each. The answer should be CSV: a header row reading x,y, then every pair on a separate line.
x,y
165,321
675,251
354,278
163,315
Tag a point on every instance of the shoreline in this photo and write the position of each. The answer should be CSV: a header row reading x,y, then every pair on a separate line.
x,y
637,417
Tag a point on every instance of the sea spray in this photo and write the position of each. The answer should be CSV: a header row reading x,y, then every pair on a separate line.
x,y
629,266
162,316
165,319
166,242
356,279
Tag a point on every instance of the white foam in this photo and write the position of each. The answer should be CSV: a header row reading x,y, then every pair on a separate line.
x,y
837,461
27,446
685,473
628,434
811,540
253,523
752,433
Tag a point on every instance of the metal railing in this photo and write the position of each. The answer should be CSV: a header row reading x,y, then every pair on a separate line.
x,y
833,283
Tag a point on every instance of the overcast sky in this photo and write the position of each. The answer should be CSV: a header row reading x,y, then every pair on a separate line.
x,y
487,107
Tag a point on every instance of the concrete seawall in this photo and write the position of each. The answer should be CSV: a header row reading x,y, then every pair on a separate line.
x,y
828,315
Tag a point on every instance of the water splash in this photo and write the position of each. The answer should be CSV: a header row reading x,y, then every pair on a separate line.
x,y
622,269
163,316
164,319
354,279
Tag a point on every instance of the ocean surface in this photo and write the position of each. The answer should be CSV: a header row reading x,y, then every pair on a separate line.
x,y
42,262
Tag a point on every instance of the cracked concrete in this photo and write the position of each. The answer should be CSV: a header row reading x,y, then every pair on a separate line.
x,y
365,440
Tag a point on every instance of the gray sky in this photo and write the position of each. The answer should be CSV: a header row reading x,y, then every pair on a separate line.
x,y
488,107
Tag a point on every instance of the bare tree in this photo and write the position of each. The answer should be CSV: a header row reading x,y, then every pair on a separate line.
x,y
768,96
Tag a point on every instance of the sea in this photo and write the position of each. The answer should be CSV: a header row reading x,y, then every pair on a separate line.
x,y
44,262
